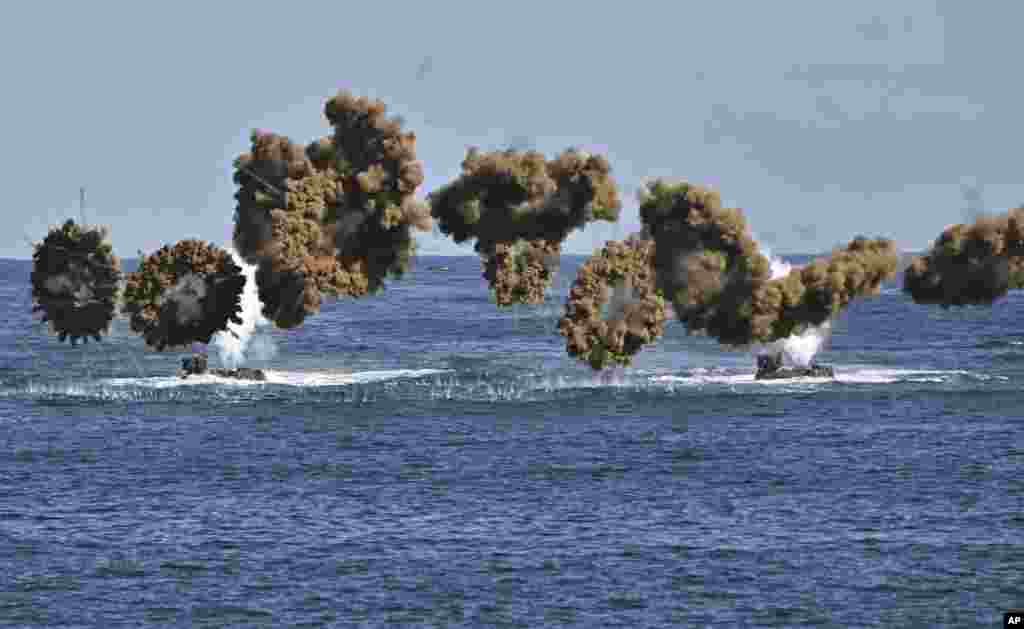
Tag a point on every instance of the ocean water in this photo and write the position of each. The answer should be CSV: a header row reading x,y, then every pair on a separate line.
x,y
422,458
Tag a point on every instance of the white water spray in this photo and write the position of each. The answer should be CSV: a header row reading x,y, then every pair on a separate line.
x,y
800,349
779,267
234,349
797,349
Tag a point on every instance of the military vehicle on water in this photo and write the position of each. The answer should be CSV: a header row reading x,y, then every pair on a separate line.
x,y
769,367
196,365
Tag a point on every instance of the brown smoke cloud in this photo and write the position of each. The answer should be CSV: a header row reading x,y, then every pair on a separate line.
x,y
520,207
334,218
826,286
75,282
619,280
973,264
184,294
709,266
519,272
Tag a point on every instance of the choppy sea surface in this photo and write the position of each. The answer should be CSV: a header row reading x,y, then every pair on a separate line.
x,y
422,458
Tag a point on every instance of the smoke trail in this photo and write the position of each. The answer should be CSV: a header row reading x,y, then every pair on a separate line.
x,y
232,346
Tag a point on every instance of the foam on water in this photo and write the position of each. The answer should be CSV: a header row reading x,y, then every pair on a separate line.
x,y
449,384
446,384
287,378
851,375
166,382
333,378
525,387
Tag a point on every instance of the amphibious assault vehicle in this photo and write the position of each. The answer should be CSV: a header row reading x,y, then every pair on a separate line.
x,y
769,367
196,365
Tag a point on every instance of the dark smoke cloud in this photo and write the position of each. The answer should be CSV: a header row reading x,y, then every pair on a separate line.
x,y
75,282
706,260
620,280
971,264
519,208
333,218
709,266
520,272
184,294
854,270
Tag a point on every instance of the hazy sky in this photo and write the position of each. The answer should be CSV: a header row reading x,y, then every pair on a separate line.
x,y
821,120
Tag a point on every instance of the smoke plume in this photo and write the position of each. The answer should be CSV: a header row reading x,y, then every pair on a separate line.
x,y
970,264
183,294
720,284
333,218
622,271
75,282
519,208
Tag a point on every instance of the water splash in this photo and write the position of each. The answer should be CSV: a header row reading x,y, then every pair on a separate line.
x,y
233,350
800,349
797,349
779,267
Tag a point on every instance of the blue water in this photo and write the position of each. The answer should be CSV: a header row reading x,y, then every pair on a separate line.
x,y
424,459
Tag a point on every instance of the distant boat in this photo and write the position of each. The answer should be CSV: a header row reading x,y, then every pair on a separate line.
x,y
439,267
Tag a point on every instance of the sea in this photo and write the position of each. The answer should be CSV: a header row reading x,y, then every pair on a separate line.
x,y
423,458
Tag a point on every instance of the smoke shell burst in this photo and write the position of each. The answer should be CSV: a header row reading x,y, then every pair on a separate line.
x,y
972,264
184,294
521,271
519,208
635,317
720,283
75,282
332,218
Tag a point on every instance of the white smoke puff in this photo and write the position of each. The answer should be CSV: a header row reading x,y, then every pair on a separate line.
x,y
186,295
232,349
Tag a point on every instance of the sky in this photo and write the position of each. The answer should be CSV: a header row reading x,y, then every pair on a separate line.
x,y
822,120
